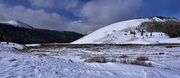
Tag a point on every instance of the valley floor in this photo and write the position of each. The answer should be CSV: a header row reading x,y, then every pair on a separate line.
x,y
55,62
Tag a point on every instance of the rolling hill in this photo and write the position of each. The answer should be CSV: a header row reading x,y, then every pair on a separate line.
x,y
151,30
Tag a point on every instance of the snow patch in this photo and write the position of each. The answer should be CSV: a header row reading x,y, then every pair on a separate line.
x,y
32,45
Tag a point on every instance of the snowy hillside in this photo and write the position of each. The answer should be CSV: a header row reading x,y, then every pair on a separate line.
x,y
17,24
128,32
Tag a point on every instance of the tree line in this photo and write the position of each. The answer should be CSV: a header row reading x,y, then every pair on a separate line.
x,y
10,33
171,27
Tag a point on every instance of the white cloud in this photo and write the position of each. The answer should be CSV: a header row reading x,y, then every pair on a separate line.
x,y
38,18
82,27
99,13
42,3
94,14
66,4
109,11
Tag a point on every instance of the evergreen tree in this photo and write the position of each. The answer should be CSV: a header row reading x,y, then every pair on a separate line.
x,y
142,32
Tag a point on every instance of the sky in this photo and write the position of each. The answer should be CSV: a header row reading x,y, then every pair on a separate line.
x,y
83,16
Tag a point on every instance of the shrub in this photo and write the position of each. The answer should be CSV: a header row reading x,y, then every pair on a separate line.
x,y
121,56
171,46
142,58
99,59
124,56
137,62
161,53
41,55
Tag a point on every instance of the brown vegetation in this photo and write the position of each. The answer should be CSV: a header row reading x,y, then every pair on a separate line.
x,y
172,28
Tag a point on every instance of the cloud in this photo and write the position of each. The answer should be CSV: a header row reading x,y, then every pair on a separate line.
x,y
92,14
42,3
110,11
83,15
38,18
66,4
82,26
99,13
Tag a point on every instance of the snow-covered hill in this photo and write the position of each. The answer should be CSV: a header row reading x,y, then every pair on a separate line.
x,y
17,24
128,32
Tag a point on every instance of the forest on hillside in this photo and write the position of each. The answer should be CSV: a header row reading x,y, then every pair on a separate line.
x,y
10,33
171,28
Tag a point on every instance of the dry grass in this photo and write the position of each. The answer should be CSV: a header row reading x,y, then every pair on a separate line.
x,y
123,56
137,62
99,59
172,46
142,58
161,53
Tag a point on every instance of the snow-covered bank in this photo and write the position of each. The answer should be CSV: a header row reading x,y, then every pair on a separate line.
x,y
60,63
11,45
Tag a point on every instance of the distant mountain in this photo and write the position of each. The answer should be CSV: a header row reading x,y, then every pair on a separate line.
x,y
15,31
17,23
151,30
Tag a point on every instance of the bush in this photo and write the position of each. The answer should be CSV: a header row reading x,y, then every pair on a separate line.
x,y
142,58
100,59
161,53
137,62
172,46
123,56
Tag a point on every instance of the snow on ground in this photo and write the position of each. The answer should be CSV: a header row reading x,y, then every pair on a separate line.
x,y
32,45
11,45
127,32
68,62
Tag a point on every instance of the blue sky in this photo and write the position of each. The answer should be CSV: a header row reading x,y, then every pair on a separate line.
x,y
170,8
83,15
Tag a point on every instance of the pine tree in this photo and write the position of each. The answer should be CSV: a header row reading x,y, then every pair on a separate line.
x,y
150,34
142,32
